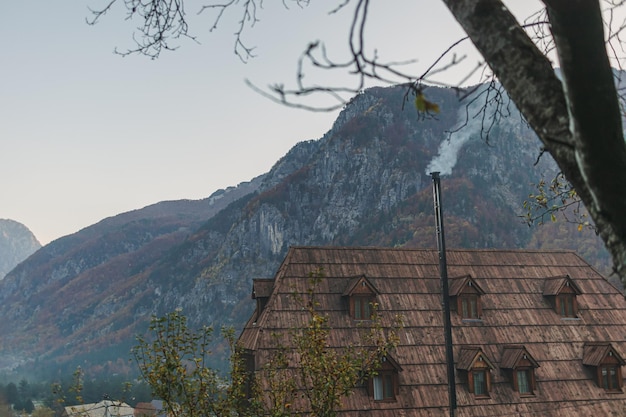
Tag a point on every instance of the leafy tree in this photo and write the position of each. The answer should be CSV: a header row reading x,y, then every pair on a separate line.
x,y
59,390
326,375
42,412
577,119
173,361
80,388
305,375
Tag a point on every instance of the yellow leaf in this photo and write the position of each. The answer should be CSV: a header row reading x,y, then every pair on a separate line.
x,y
423,105
580,227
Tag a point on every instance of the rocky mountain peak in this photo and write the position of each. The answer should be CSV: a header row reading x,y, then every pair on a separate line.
x,y
17,243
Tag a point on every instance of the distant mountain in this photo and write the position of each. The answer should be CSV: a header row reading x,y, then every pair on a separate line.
x,y
81,299
17,243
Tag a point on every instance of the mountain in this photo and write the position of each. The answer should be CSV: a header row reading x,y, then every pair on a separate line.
x,y
82,298
17,243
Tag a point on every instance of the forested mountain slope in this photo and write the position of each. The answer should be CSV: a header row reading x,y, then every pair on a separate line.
x,y
82,298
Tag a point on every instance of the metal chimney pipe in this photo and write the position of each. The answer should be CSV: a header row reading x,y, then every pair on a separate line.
x,y
445,292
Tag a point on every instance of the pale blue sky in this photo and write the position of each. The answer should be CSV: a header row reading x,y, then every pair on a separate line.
x,y
86,134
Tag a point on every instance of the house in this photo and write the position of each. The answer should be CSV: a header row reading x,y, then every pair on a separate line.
x,y
534,333
155,408
143,409
104,408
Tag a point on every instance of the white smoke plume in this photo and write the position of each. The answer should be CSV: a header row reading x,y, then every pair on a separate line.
x,y
467,127
448,152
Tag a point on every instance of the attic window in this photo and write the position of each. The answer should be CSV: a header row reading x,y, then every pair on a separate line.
x,y
607,364
361,307
466,297
520,367
383,386
361,296
261,291
477,369
561,292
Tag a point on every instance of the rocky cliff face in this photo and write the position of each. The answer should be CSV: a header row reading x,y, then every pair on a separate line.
x,y
16,244
365,182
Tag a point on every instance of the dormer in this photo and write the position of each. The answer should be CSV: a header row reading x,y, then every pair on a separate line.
x,y
384,384
261,290
607,364
477,369
561,292
361,295
465,296
520,367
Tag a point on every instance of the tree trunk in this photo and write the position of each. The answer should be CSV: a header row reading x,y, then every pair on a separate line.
x,y
577,120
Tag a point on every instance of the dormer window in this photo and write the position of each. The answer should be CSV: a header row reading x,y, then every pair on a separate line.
x,y
520,367
383,386
561,292
465,295
261,291
361,297
468,306
362,307
607,365
477,368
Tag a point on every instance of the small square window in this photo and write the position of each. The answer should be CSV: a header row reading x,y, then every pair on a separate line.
x,y
524,381
383,386
466,295
610,378
469,306
362,308
566,305
480,383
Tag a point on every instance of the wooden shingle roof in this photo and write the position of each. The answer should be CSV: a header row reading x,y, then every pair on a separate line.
x,y
515,312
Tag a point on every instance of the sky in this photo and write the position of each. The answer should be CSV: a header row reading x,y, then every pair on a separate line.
x,y
86,134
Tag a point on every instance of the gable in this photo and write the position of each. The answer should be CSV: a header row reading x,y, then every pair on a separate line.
x,y
557,285
464,285
515,356
469,356
360,286
594,354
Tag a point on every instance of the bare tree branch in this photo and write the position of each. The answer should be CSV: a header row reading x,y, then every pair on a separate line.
x,y
162,20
